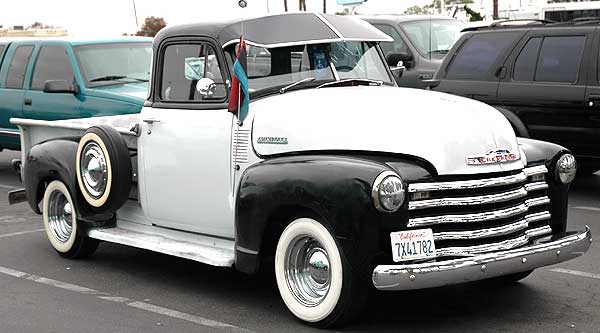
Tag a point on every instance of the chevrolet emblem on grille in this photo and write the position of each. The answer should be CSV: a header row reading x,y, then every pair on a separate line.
x,y
493,156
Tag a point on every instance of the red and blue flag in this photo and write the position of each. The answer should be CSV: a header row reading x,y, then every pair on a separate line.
x,y
239,97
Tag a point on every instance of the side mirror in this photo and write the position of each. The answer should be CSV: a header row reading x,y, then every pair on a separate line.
x,y
60,87
206,87
394,59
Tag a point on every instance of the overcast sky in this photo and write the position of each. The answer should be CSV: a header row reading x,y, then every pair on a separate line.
x,y
114,17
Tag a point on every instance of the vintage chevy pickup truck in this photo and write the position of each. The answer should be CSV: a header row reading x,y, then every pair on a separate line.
x,y
54,79
324,180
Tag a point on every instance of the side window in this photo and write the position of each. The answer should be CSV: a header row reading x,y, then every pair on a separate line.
x,y
1,51
476,57
559,59
526,61
18,66
52,64
397,45
183,66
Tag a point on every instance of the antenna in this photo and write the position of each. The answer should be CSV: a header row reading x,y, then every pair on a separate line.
x,y
137,24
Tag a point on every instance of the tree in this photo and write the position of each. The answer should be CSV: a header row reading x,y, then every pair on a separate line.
x,y
285,5
152,26
473,15
302,4
415,10
495,9
39,25
324,6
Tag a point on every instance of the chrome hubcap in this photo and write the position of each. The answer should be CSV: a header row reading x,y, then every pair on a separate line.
x,y
307,271
60,216
93,170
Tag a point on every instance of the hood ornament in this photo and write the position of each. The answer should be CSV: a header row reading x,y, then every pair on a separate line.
x,y
499,155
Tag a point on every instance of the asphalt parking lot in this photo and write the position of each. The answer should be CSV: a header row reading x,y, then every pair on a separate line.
x,y
122,289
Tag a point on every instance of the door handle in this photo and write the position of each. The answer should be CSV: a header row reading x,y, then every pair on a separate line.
x,y
593,100
27,101
151,120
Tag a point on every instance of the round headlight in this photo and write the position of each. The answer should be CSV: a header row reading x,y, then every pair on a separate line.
x,y
566,167
94,170
388,192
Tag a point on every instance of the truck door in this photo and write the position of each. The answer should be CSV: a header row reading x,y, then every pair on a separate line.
x,y
13,71
185,143
590,124
52,63
546,85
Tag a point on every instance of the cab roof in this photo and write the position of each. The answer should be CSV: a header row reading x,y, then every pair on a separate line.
x,y
281,30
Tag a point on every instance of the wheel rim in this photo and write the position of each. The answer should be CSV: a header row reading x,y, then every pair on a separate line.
x,y
307,271
60,216
94,169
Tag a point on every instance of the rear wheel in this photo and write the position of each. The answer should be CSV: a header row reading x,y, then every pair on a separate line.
x,y
313,276
61,224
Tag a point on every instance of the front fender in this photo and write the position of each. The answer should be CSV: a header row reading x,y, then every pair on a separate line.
x,y
546,153
335,189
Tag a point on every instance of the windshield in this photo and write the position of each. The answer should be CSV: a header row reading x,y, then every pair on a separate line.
x,y
118,63
270,69
433,38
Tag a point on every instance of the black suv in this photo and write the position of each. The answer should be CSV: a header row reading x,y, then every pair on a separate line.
x,y
544,77
420,42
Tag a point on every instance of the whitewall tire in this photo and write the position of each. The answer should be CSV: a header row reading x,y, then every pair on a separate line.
x,y
61,224
312,275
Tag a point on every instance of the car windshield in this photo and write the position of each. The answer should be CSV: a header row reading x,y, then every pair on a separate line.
x,y
115,63
433,38
270,69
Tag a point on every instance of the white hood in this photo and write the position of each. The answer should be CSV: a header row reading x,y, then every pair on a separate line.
x,y
440,128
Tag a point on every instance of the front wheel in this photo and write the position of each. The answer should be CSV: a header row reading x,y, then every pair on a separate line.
x,y
61,224
313,276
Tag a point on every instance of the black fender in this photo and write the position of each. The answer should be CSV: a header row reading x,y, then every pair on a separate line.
x,y
336,190
55,160
546,153
516,122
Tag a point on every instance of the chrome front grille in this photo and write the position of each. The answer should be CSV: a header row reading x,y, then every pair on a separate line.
x,y
474,216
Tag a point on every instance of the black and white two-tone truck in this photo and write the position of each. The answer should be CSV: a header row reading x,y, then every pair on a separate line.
x,y
325,179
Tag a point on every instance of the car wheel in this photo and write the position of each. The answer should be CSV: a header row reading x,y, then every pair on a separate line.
x,y
103,168
313,276
61,224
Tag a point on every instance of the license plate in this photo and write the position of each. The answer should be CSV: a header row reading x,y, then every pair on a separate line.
x,y
412,244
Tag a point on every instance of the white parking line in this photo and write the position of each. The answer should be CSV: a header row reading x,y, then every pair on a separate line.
x,y
129,302
593,209
578,273
21,233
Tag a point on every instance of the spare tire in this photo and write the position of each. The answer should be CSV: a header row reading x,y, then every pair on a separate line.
x,y
103,168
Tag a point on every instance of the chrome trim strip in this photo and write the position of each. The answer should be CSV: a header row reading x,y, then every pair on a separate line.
x,y
479,217
11,134
536,186
465,201
447,272
492,232
536,170
478,183
461,251
545,230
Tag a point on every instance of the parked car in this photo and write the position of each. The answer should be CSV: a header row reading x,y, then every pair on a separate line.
x,y
323,179
420,42
53,79
543,77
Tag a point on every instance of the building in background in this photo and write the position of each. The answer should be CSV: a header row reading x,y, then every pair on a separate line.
x,y
21,31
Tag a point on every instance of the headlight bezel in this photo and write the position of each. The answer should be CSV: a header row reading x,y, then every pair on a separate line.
x,y
565,168
380,180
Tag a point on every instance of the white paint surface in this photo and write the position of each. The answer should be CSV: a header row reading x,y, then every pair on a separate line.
x,y
578,273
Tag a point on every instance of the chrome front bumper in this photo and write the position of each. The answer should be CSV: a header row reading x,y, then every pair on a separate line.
x,y
441,273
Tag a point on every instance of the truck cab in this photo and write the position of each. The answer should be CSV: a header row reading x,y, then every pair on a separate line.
x,y
50,79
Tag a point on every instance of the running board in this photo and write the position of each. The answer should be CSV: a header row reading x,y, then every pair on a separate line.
x,y
153,242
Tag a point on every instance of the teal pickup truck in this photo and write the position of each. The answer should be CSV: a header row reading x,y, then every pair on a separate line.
x,y
52,79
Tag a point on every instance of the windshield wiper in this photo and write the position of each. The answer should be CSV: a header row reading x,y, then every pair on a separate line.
x,y
286,88
117,78
335,83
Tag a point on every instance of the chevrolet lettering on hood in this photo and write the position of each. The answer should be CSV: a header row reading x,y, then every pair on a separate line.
x,y
493,156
